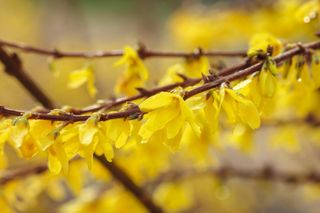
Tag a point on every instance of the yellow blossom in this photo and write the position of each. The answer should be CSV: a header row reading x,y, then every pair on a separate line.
x,y
174,197
168,113
239,108
192,68
81,76
135,73
260,43
267,79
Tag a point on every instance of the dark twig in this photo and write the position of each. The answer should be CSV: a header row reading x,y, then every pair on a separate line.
x,y
136,190
144,53
224,172
13,67
8,176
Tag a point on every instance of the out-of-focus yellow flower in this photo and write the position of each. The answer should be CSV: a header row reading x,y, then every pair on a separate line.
x,y
192,68
81,76
135,74
286,138
260,43
241,138
4,133
174,197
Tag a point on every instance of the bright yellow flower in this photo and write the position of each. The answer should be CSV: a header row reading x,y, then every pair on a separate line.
x,y
57,158
92,136
167,112
19,131
267,79
239,108
81,76
118,131
135,74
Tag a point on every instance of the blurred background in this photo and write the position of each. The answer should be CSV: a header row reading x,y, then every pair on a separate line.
x,y
88,25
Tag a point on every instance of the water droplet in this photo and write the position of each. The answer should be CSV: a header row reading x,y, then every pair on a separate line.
x,y
306,19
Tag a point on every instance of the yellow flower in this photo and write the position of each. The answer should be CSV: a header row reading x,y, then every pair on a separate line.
x,y
118,131
167,112
40,131
4,133
174,197
135,73
57,158
267,79
260,43
192,68
92,138
239,108
19,131
29,147
81,76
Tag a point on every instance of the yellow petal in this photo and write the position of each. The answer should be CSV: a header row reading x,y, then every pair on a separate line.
x,y
79,77
156,101
260,43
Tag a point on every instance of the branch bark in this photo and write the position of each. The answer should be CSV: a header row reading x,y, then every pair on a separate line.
x,y
13,67
143,52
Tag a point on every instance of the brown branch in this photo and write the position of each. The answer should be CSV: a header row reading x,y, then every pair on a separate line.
x,y
13,67
8,176
136,190
67,117
224,172
143,52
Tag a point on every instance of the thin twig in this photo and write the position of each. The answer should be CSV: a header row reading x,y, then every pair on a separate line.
x,y
143,52
13,67
124,179
9,175
224,172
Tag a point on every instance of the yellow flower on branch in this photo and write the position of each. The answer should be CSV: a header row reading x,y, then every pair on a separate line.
x,y
239,109
92,136
167,114
192,68
267,79
135,74
81,76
